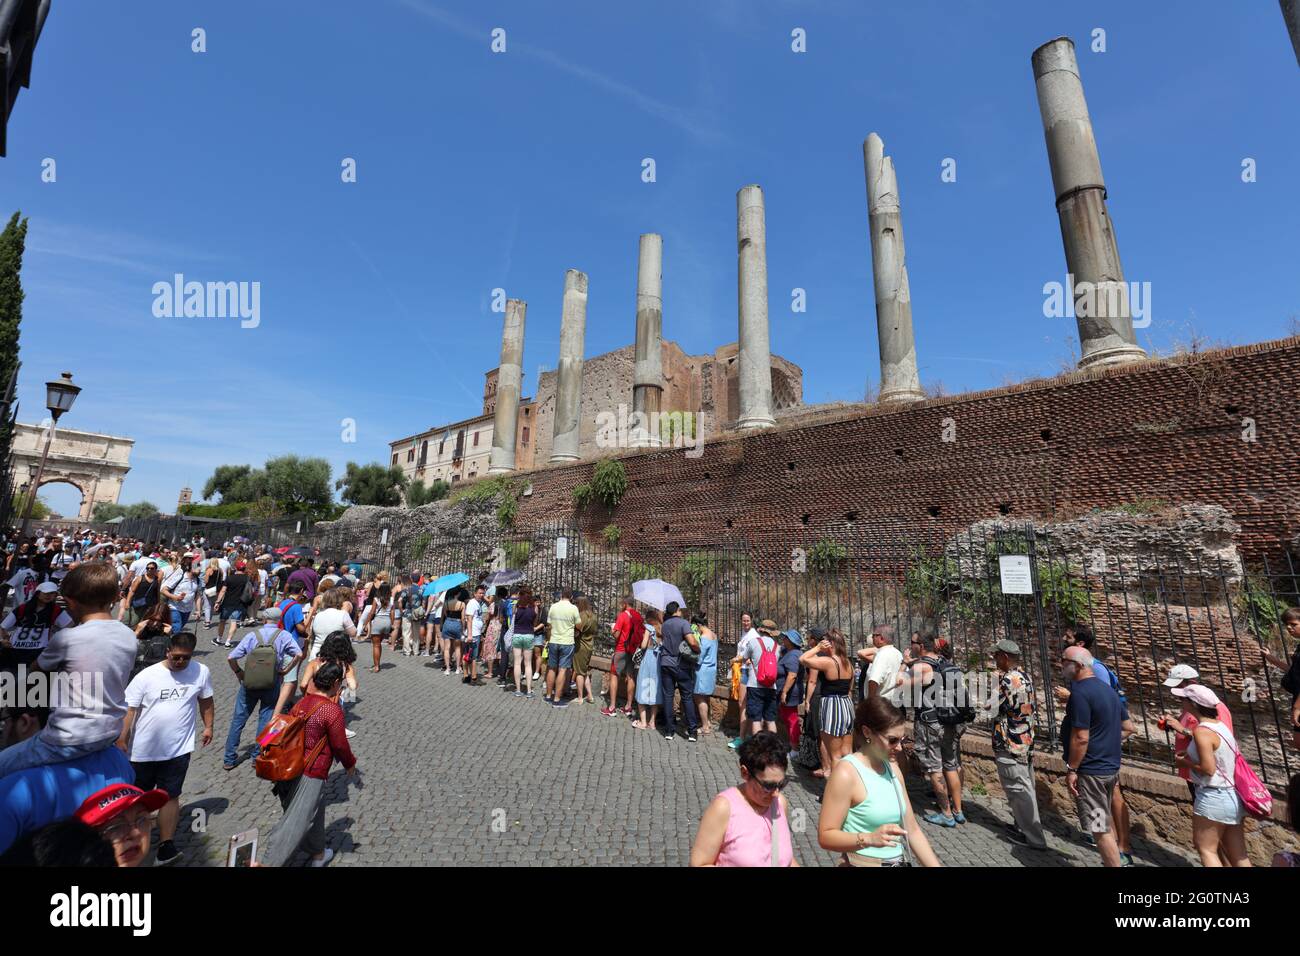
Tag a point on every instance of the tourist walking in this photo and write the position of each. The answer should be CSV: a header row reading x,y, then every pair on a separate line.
x,y
866,815
302,798
380,624
749,824
262,661
26,630
164,703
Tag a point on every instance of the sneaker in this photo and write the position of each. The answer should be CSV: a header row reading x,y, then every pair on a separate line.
x,y
530,695
329,855
627,712
690,737
1017,837
1126,859
466,679
536,676
518,693
563,702
734,743
668,736
606,712
167,853
959,817
349,733
939,820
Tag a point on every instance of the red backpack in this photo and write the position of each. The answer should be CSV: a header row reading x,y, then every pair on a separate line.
x,y
765,673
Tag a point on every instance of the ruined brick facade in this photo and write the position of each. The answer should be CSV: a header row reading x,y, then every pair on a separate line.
x,y
1175,430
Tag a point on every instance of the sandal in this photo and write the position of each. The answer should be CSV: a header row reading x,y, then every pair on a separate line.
x,y
374,670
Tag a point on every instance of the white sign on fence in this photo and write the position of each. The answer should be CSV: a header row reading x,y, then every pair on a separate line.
x,y
383,537
1016,575
561,548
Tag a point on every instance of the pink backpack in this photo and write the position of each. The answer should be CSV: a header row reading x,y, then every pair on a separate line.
x,y
765,673
1254,795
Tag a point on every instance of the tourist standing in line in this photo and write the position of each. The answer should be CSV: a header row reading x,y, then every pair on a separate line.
x,y
678,650
938,745
521,643
164,702
866,814
746,630
706,673
541,635
1218,813
563,619
1092,749
1013,745
1290,670
749,824
884,671
453,611
790,680
584,645
472,622
761,699
629,630
647,673
830,658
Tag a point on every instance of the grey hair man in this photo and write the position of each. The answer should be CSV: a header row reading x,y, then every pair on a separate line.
x,y
1092,731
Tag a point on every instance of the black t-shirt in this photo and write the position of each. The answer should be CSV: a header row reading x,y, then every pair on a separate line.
x,y
235,588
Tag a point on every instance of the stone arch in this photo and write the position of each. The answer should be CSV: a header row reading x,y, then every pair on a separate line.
x,y
94,463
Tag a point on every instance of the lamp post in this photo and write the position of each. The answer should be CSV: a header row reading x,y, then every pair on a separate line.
x,y
59,396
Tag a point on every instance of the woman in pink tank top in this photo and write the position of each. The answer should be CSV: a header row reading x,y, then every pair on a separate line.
x,y
748,825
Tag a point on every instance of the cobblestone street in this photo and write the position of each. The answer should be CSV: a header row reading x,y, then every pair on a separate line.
x,y
452,774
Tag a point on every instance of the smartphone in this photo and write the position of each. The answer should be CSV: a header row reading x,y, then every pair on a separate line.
x,y
243,849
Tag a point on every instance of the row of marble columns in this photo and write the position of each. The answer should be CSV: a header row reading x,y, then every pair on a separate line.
x,y
1092,259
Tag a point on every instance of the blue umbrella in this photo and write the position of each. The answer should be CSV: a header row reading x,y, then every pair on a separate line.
x,y
446,582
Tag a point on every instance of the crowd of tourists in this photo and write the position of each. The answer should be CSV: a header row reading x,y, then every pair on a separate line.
x,y
84,777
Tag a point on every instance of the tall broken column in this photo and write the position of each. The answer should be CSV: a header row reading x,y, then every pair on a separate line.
x,y
568,381
755,372
1101,301
899,380
648,375
510,376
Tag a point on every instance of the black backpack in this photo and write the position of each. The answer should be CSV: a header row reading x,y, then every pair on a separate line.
x,y
953,707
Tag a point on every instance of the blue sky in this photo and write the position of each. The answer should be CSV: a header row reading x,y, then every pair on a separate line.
x,y
479,170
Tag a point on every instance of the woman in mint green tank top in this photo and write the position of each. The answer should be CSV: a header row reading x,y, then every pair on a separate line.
x,y
866,815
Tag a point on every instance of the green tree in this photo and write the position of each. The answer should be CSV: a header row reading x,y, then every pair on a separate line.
x,y
12,242
39,510
298,485
372,484
107,510
235,483
417,493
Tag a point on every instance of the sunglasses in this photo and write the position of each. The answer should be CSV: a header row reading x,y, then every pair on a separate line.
x,y
771,787
180,658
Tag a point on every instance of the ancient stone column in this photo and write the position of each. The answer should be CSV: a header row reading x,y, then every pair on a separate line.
x,y
568,381
755,365
1291,14
510,375
648,375
1101,301
899,380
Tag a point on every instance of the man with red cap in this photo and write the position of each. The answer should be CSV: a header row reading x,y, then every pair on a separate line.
x,y
122,814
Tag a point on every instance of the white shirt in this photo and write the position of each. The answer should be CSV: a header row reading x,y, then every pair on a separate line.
x,y
168,703
23,584
749,671
325,623
30,639
884,671
178,582
474,610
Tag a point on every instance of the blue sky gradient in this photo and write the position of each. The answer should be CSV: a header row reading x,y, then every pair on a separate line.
x,y
479,170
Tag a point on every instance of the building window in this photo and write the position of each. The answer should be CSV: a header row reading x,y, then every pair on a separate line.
x,y
410,454
526,411
525,434
476,439
441,444
394,458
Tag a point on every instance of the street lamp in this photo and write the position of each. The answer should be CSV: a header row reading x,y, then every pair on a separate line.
x,y
59,396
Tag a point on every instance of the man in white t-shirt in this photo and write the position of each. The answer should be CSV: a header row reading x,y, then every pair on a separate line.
x,y
163,702
472,639
882,675
23,585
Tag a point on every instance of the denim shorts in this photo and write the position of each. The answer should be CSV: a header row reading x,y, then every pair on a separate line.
x,y
1219,804
232,613
451,630
560,655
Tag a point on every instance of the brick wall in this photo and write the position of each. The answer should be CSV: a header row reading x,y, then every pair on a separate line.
x,y
1170,430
